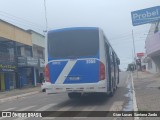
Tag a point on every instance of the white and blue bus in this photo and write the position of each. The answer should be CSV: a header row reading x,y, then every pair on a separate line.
x,y
80,60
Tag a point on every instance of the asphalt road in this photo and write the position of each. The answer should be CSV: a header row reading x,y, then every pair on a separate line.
x,y
121,101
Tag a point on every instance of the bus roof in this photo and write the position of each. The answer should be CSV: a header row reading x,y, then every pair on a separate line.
x,y
73,28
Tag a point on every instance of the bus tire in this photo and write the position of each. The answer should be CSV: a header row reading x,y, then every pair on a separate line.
x,y
111,93
74,95
118,80
115,86
112,89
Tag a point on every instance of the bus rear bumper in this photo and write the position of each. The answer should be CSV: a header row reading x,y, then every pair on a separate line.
x,y
82,88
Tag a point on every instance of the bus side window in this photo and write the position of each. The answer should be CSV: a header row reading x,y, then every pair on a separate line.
x,y
106,50
118,61
114,57
111,55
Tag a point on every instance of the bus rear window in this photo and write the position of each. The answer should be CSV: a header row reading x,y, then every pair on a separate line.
x,y
73,43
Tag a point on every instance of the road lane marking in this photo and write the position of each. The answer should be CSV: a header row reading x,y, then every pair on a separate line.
x,y
40,109
46,107
135,108
9,109
65,108
17,96
91,108
26,108
23,109
117,106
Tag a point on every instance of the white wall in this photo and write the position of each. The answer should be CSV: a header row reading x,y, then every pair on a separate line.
x,y
38,39
38,43
152,67
156,60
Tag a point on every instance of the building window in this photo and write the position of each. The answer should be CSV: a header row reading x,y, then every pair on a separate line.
x,y
28,51
7,54
39,54
19,51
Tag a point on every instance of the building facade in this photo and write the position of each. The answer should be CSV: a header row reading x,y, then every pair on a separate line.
x,y
18,61
153,48
12,42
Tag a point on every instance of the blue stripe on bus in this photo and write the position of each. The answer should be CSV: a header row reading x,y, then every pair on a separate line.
x,y
55,68
86,73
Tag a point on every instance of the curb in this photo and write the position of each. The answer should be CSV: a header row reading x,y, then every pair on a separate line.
x,y
135,107
18,96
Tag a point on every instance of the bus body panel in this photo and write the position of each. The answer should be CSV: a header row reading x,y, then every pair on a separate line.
x,y
74,71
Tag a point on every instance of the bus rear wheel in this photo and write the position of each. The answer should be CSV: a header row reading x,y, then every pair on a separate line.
x,y
111,93
74,95
112,89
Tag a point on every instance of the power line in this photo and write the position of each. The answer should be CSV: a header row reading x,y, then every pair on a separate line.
x,y
14,21
21,19
129,35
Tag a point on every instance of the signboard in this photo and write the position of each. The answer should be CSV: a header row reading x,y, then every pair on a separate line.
x,y
32,61
22,61
29,61
8,67
140,54
144,16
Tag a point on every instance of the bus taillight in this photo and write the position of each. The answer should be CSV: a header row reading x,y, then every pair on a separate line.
x,y
47,74
102,71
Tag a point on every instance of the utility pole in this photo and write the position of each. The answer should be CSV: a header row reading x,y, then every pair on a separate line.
x,y
45,10
134,49
45,32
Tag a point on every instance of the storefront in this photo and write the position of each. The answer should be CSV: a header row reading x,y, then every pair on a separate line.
x,y
27,71
8,76
26,77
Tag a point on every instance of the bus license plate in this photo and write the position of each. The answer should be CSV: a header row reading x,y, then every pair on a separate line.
x,y
74,78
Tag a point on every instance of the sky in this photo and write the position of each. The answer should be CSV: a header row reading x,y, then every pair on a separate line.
x,y
113,16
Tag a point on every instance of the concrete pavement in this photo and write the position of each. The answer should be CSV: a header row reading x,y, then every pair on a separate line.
x,y
147,91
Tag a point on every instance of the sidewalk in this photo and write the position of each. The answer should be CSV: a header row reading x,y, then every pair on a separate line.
x,y
19,92
147,91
